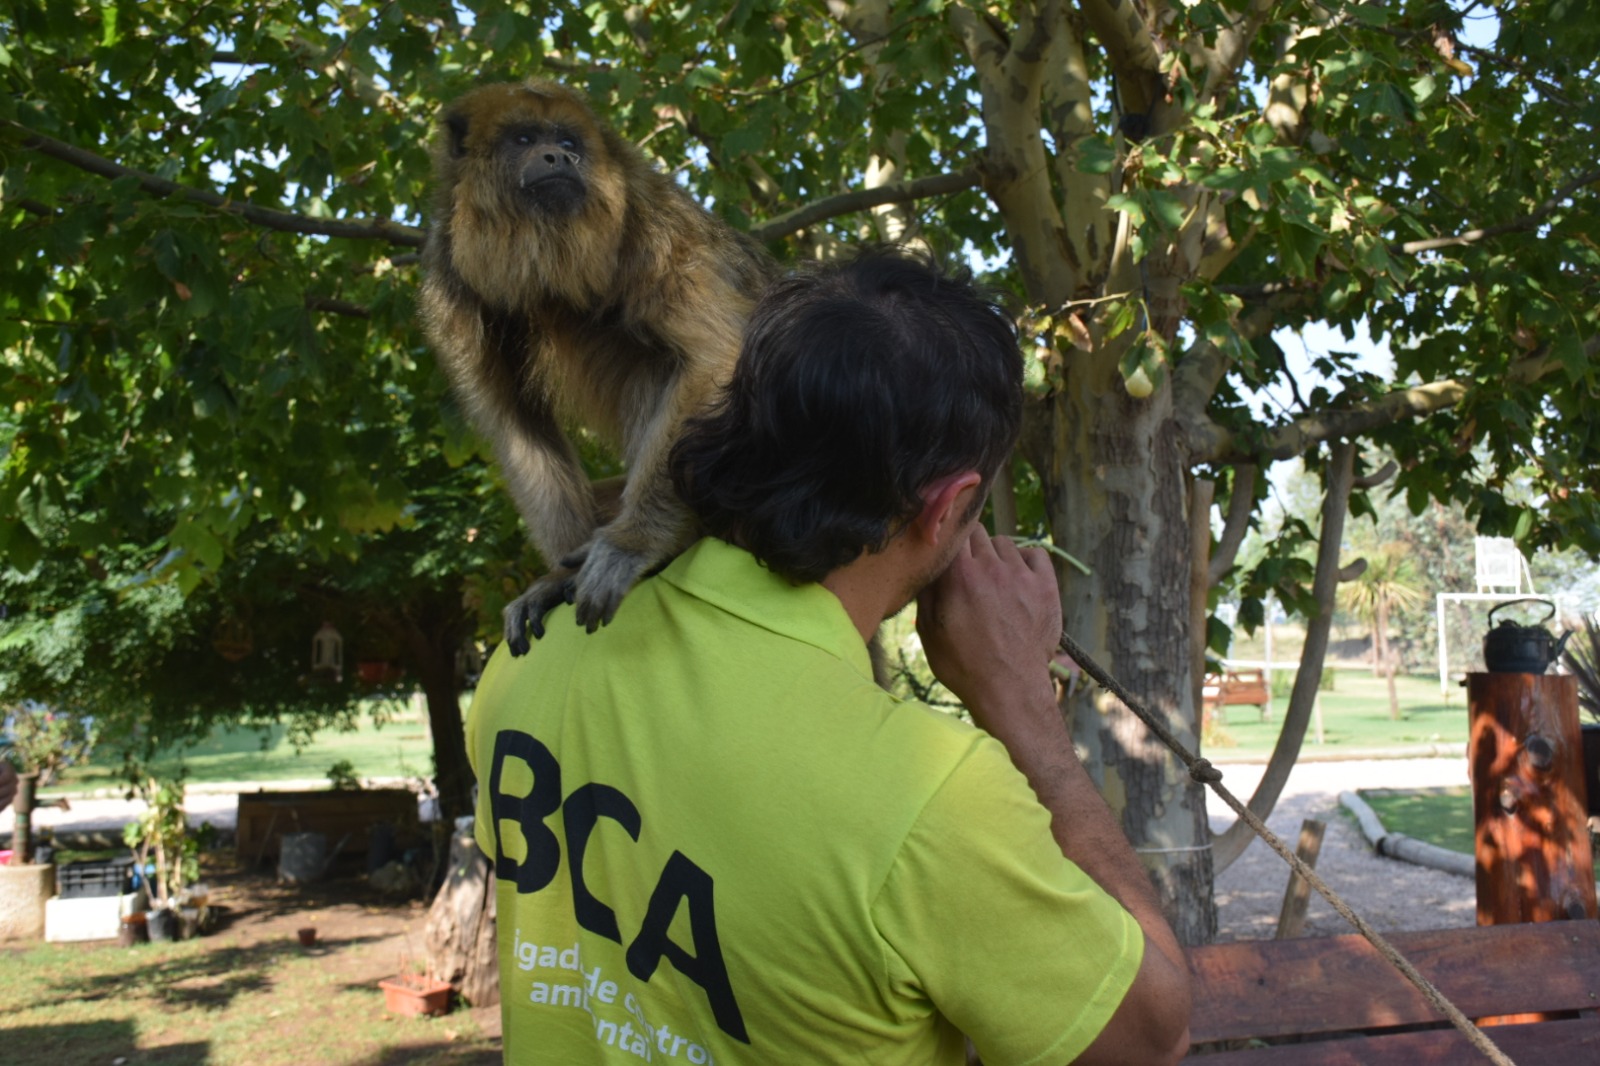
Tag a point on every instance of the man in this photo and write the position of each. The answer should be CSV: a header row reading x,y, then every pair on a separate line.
x,y
717,841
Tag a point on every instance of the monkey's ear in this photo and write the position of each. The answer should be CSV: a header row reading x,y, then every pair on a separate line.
x,y
456,126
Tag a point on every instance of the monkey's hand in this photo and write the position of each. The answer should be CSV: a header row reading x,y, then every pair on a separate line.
x,y
525,614
605,574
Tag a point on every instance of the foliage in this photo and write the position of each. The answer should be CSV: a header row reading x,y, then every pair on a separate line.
x,y
1389,584
39,740
342,775
1582,659
162,834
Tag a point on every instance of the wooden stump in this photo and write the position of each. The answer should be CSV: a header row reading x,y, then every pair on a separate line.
x,y
1533,856
460,932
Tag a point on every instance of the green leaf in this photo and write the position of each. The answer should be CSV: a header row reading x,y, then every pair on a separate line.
x,y
1095,155
1167,209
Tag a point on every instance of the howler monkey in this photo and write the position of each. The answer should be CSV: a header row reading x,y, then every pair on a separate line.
x,y
568,282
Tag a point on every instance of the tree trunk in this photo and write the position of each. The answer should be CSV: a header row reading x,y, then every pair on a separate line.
x,y
1386,657
1115,495
432,635
452,774
460,932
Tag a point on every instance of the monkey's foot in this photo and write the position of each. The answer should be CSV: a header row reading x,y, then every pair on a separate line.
x,y
525,614
606,573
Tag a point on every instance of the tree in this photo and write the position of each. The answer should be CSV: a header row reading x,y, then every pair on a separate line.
x,y
1387,586
215,214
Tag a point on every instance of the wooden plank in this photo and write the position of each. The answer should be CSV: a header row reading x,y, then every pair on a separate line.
x,y
1269,988
1557,1043
1297,896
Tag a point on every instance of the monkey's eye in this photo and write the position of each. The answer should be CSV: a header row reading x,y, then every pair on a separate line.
x,y
569,143
524,138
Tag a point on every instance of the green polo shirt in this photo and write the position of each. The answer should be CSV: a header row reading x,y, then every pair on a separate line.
x,y
715,840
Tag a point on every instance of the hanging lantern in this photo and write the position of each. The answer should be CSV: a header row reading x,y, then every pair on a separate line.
x,y
232,639
327,654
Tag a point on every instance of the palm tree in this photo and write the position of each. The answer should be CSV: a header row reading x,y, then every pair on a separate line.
x,y
1388,584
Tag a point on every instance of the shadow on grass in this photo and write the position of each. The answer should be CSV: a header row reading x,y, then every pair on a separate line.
x,y
433,1054
260,895
96,1041
204,980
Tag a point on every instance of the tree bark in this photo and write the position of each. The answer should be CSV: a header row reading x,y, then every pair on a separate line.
x,y
461,926
1115,496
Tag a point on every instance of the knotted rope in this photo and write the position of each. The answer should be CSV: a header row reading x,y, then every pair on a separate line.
x,y
1205,773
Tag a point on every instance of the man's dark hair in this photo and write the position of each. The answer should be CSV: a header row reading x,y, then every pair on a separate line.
x,y
858,385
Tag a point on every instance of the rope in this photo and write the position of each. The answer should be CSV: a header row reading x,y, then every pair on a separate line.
x,y
1205,773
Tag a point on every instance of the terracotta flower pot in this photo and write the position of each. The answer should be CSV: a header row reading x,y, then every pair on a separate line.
x,y
415,994
308,936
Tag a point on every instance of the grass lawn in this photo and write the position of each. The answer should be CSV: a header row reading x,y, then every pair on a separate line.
x,y
1355,715
399,747
245,994
1441,816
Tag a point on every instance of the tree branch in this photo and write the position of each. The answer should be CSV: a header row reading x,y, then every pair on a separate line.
x,y
270,218
1131,50
861,199
336,307
1228,845
1299,436
1195,379
1222,63
1241,505
1211,443
1377,477
1518,225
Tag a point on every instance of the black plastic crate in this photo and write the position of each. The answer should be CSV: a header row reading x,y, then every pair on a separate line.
x,y
106,877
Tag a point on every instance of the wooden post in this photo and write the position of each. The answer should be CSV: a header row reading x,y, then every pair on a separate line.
x,y
1292,918
1533,857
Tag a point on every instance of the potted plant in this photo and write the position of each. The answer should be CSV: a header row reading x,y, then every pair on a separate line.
x,y
1582,660
415,992
36,742
164,850
39,742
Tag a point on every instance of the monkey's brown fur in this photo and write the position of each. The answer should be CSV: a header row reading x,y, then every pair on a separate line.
x,y
570,283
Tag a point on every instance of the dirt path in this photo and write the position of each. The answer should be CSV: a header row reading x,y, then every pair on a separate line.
x,y
1391,894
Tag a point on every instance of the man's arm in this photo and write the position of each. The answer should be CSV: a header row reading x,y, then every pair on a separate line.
x,y
989,625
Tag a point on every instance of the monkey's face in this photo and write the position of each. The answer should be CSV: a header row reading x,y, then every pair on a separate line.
x,y
539,147
532,190
548,162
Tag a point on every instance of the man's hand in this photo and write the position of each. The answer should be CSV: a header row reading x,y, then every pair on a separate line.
x,y
989,625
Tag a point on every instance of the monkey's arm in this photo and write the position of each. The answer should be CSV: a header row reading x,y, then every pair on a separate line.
x,y
701,332
485,354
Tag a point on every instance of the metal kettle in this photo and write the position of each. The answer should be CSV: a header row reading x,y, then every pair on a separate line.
x,y
1512,649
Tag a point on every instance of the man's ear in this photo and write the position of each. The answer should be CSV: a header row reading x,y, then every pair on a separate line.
x,y
946,500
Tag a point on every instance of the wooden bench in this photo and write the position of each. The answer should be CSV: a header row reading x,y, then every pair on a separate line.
x,y
1334,1001
1237,688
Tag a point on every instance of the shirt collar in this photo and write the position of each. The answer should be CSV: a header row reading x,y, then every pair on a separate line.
x,y
730,578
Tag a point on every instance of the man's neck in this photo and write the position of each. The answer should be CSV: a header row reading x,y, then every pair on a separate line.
x,y
870,588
